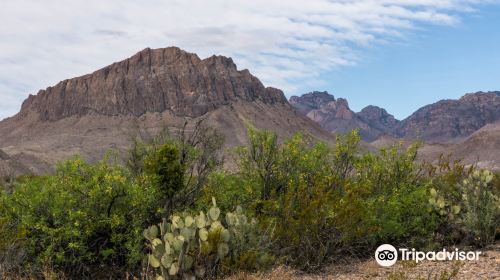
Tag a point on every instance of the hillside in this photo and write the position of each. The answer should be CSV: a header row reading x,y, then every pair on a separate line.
x,y
141,95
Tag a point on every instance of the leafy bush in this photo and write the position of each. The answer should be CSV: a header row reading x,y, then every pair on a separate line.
x,y
396,197
193,246
322,201
482,208
177,166
83,215
228,189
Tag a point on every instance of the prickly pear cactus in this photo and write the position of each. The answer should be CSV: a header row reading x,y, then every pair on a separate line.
x,y
444,207
189,246
482,208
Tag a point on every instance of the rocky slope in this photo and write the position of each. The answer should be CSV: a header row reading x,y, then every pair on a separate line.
x,y
335,115
452,120
152,81
152,90
443,121
481,148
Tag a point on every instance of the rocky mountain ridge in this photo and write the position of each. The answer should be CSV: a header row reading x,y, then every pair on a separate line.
x,y
452,120
152,81
154,90
443,121
335,115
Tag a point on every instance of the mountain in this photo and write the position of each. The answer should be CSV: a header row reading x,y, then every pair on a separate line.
x,y
441,122
467,128
452,120
482,147
335,115
141,95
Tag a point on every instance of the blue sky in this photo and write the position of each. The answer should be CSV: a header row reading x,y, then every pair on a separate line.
x,y
437,62
397,54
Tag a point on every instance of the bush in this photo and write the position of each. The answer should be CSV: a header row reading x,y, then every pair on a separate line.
x,y
229,190
395,197
322,202
177,166
482,208
83,215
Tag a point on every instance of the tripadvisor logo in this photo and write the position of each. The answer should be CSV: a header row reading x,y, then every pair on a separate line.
x,y
387,255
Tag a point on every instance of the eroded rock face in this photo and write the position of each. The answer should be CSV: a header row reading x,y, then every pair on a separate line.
x,y
311,101
452,119
335,115
153,91
443,121
378,118
153,80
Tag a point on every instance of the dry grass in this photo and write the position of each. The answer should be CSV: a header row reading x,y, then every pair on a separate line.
x,y
487,267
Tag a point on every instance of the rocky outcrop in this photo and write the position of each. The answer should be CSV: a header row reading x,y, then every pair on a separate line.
x,y
452,120
335,115
443,121
378,119
311,101
153,80
141,96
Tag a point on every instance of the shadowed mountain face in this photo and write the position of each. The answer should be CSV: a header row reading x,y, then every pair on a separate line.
x,y
142,95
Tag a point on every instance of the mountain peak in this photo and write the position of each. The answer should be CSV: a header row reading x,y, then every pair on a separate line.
x,y
311,101
152,80
481,96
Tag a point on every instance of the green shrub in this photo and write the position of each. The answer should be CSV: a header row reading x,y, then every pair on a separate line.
x,y
395,197
177,166
229,190
482,208
295,191
83,215
322,201
194,246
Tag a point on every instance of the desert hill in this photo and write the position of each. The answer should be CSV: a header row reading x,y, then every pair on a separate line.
x,y
141,95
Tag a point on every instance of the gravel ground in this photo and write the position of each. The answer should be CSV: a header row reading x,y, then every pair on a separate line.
x,y
487,267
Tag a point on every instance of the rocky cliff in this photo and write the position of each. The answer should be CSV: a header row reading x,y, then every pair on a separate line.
x,y
152,81
153,90
443,121
335,115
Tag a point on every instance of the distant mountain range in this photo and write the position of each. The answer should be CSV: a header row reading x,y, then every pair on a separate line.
x,y
163,88
442,122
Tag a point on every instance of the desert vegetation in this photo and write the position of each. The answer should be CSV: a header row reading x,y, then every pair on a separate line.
x,y
172,211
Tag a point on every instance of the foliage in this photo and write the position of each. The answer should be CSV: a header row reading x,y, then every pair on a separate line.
x,y
177,166
85,214
482,207
165,172
228,189
321,201
396,197
314,203
193,246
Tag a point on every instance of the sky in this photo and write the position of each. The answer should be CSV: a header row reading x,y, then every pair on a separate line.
x,y
396,54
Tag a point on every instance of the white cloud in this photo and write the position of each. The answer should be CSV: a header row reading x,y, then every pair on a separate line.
x,y
284,43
